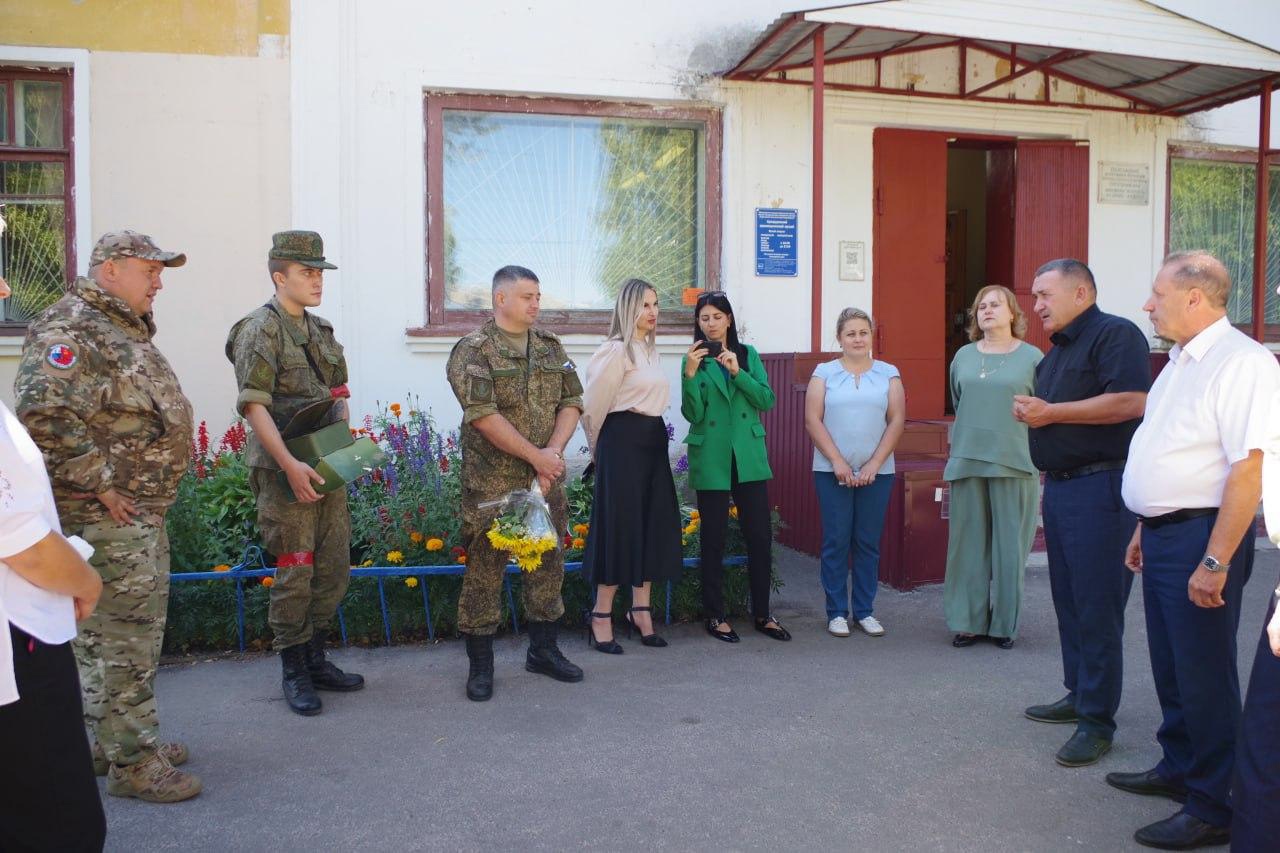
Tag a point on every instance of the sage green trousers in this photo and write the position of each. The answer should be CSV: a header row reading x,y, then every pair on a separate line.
x,y
992,525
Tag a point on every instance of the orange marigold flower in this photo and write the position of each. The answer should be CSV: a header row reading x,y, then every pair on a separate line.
x,y
580,529
579,542
733,512
395,409
462,558
268,581
223,567
434,544
415,536
694,515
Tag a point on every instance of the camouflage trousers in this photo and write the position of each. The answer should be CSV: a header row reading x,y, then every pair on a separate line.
x,y
480,603
118,647
304,597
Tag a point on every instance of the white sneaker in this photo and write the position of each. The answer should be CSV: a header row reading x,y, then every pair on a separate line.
x,y
871,626
838,627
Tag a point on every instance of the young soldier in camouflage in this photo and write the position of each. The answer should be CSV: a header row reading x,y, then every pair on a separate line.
x,y
521,400
287,359
106,409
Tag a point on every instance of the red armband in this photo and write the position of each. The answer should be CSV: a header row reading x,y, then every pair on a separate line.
x,y
339,392
297,558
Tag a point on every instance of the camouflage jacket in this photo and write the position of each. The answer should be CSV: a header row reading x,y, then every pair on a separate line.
x,y
103,404
489,377
272,367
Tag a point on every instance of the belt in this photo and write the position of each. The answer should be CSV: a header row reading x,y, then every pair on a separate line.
x,y
1086,470
1176,516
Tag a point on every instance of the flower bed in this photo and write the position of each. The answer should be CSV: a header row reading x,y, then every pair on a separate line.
x,y
403,514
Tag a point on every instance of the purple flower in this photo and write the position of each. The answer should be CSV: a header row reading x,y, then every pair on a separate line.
x,y
682,464
671,431
393,487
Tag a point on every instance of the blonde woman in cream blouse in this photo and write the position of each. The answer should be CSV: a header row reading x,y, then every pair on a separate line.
x,y
634,536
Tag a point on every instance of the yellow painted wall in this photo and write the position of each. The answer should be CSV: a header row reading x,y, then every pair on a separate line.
x,y
211,27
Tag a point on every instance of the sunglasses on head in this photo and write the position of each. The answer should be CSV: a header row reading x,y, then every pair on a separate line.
x,y
708,294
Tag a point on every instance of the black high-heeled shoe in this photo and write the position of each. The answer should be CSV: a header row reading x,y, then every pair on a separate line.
x,y
609,647
653,641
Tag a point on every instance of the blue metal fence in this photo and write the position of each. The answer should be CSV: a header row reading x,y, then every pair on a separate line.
x,y
253,566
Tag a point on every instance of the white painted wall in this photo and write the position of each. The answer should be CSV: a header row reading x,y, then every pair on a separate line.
x,y
202,165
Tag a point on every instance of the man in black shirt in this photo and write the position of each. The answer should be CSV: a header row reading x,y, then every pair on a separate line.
x,y
1091,388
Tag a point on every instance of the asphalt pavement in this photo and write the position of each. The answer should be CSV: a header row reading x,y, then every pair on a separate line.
x,y
893,743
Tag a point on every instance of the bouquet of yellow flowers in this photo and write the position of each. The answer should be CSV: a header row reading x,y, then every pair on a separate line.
x,y
523,527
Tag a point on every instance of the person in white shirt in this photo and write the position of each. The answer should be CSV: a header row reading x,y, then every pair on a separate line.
x,y
1194,477
634,535
48,796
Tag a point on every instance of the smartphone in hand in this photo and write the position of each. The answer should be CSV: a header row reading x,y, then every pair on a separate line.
x,y
713,348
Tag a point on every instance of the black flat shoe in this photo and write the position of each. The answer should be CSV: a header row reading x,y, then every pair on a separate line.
x,y
1082,749
1002,642
1148,783
963,641
1062,711
1182,832
777,631
609,647
729,636
653,641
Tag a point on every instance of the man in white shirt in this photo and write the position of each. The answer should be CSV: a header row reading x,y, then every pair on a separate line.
x,y
1193,478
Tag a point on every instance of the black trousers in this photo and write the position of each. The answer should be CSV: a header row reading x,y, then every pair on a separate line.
x,y
752,501
48,796
1256,794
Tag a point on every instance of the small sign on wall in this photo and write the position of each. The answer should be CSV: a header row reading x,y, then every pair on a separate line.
x,y
777,245
1124,183
853,260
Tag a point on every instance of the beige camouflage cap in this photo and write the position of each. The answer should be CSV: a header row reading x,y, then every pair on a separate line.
x,y
131,244
305,247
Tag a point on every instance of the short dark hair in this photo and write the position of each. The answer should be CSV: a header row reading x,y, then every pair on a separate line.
x,y
1069,268
276,265
510,274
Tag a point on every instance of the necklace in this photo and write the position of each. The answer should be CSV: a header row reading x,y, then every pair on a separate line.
x,y
983,371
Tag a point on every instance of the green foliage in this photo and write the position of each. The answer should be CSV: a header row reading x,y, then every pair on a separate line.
x,y
405,514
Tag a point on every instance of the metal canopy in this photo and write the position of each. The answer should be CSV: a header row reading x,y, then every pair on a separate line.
x,y
1131,83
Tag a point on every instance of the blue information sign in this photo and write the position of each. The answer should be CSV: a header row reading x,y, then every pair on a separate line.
x,y
776,243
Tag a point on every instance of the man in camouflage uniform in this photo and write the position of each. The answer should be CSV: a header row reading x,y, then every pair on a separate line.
x,y
106,409
521,400
286,359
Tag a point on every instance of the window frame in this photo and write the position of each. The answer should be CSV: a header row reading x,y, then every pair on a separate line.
x,y
441,321
12,152
1238,156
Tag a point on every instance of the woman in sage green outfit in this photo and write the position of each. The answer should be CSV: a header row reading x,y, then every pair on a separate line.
x,y
995,489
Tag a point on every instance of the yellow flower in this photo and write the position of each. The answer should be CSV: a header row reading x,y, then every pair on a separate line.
x,y
526,550
580,529
366,564
411,582
434,544
733,512
690,529
415,537
222,568
395,557
579,542
694,515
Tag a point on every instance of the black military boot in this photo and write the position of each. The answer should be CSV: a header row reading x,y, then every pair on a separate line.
x,y
299,692
326,676
480,676
544,655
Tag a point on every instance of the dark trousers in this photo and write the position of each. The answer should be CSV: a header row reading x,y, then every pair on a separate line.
x,y
752,501
48,796
1193,659
1086,531
1255,796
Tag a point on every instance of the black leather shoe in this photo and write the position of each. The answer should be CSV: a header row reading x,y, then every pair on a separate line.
x,y
653,640
963,641
1002,642
1062,711
299,692
713,628
544,656
609,647
326,676
480,672
1182,832
1148,783
1082,749
777,631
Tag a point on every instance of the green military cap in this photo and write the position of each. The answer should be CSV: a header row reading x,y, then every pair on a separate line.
x,y
305,247
131,244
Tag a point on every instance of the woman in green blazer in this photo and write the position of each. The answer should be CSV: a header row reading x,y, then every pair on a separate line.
x,y
723,390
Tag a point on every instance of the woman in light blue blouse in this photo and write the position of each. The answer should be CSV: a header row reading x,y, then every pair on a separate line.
x,y
854,411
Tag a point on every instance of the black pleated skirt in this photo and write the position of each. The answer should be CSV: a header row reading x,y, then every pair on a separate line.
x,y
635,520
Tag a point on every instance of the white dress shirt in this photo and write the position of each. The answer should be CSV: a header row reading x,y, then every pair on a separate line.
x,y
27,515
615,383
1208,409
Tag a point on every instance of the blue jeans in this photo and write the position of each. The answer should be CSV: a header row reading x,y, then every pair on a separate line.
x,y
1086,531
852,521
1193,658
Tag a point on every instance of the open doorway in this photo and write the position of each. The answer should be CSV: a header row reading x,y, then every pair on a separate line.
x,y
979,230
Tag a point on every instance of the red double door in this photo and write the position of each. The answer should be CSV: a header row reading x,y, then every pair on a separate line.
x,y
1037,210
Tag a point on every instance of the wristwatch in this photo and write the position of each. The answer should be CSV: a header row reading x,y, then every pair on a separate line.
x,y
1213,564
